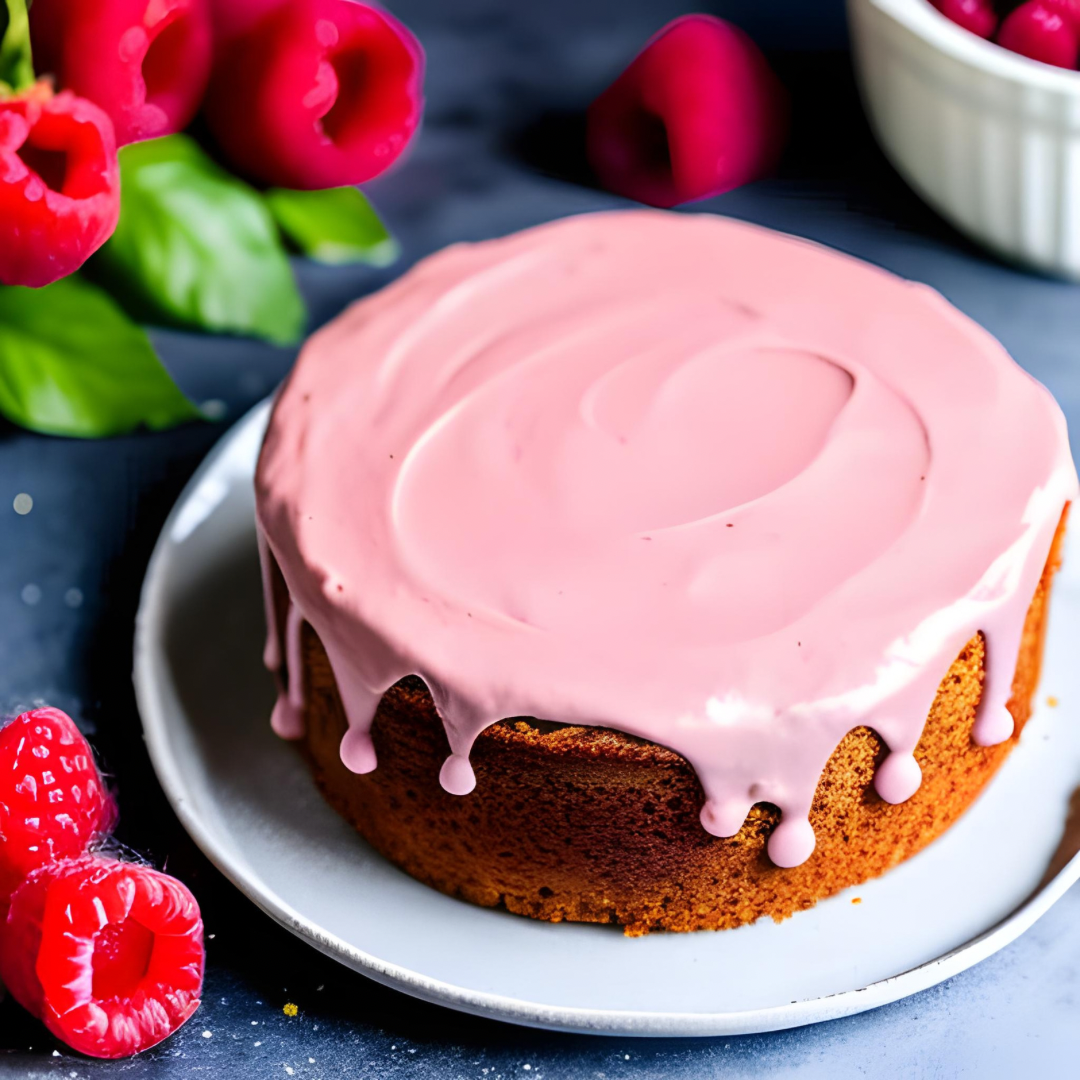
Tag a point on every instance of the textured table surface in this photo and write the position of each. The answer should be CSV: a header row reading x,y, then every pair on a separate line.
x,y
500,150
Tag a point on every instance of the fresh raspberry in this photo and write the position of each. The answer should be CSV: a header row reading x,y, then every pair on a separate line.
x,y
1069,10
108,954
698,112
145,62
53,802
1040,31
59,185
978,16
320,93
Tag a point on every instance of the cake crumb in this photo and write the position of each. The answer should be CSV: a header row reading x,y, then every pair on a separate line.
x,y
856,899
290,1009
1052,701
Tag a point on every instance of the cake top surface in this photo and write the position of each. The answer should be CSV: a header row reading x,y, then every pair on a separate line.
x,y
716,487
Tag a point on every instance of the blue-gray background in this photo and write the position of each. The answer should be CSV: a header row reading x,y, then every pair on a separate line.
x,y
500,150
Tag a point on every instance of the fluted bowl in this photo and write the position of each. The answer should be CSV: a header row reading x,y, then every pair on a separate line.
x,y
988,138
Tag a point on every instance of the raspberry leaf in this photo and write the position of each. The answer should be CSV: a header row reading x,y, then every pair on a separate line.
x,y
16,64
72,363
197,247
334,226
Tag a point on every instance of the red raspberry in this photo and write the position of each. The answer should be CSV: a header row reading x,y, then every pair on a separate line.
x,y
108,954
59,185
698,112
978,16
53,802
1040,31
1069,10
145,62
320,93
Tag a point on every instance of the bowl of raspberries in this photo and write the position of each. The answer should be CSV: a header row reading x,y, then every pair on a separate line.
x,y
977,105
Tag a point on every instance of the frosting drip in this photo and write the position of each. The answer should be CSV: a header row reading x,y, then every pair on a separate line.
x,y
715,487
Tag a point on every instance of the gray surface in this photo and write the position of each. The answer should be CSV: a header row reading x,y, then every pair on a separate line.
x,y
496,68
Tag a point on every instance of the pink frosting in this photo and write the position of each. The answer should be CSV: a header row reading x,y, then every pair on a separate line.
x,y
709,485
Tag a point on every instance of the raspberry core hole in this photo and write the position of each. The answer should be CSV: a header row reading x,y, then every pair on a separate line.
x,y
50,165
351,69
374,104
649,138
164,66
122,954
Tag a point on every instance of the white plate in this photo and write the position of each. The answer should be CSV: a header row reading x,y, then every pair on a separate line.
x,y
249,802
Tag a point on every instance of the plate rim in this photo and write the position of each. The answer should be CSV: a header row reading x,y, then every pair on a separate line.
x,y
623,1022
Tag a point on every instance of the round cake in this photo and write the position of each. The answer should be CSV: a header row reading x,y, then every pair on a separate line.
x,y
656,569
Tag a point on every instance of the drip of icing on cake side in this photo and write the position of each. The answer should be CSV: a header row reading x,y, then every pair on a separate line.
x,y
711,486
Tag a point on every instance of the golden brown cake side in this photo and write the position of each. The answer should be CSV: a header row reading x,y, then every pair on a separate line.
x,y
589,825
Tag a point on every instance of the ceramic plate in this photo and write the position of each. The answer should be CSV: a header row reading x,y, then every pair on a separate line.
x,y
249,802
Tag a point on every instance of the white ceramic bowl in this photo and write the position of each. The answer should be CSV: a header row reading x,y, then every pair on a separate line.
x,y
989,138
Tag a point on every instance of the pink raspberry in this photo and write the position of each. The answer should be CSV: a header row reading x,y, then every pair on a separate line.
x,y
59,185
1069,10
698,112
978,16
53,802
145,62
1039,30
317,94
108,954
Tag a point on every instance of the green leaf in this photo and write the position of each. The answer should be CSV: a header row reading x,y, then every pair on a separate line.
x,y
72,363
334,226
197,247
16,63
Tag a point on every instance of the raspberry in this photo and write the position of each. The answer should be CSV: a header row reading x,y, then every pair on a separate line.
x,y
1041,31
1069,10
978,16
318,94
697,112
53,802
145,63
108,954
59,185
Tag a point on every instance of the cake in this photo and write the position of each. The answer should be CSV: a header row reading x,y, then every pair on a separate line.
x,y
656,569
